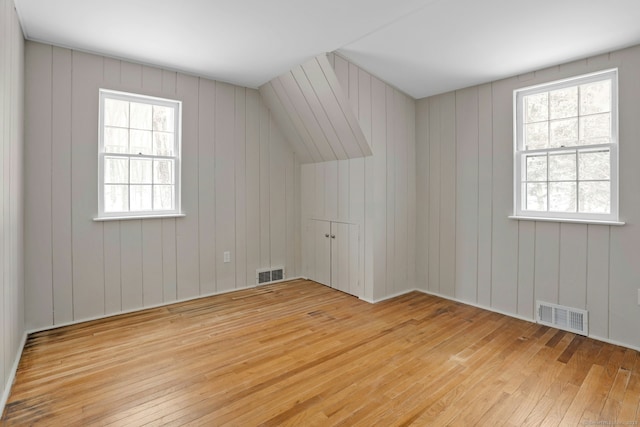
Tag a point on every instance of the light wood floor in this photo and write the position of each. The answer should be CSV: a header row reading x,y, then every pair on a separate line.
x,y
299,353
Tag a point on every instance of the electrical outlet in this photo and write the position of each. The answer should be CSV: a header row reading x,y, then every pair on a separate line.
x,y
227,256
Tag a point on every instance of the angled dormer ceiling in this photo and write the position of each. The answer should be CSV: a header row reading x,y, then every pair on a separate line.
x,y
314,114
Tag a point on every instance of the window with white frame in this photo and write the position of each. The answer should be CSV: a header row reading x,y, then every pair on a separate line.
x,y
566,149
139,155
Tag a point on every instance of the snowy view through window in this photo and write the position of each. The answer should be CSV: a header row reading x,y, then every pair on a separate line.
x,y
139,155
565,140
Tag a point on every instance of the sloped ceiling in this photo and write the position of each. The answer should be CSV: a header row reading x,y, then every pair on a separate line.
x,y
312,110
422,47
452,44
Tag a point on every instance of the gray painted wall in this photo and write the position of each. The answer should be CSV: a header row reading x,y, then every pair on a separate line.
x,y
240,193
377,192
11,198
469,250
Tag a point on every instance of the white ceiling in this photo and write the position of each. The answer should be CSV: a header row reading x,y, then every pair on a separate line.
x,y
423,47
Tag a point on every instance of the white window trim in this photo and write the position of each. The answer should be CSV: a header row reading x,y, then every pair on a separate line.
x,y
611,218
132,97
124,218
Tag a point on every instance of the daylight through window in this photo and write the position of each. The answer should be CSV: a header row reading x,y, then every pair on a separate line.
x,y
139,155
566,149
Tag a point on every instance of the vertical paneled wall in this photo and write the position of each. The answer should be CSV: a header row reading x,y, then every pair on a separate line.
x,y
239,193
378,191
468,249
11,196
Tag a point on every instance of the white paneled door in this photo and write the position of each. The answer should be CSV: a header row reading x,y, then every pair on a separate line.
x,y
333,255
322,243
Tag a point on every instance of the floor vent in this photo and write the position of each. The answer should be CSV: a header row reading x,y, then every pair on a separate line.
x,y
561,317
269,275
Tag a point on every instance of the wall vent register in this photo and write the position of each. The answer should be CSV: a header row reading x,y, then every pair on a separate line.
x,y
269,275
561,317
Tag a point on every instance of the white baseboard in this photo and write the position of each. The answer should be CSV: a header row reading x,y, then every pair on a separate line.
x,y
614,342
484,307
12,374
526,319
150,307
388,297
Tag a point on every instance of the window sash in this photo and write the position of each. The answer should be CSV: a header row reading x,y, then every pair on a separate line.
x,y
520,153
102,153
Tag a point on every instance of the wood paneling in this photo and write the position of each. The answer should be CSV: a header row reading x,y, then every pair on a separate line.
x,y
152,262
296,107
225,189
112,263
378,193
624,242
299,353
252,174
433,162
410,111
526,268
342,109
110,230
317,117
87,235
485,192
207,234
187,228
447,195
512,264
466,193
60,178
131,264
390,202
265,186
12,200
277,207
422,194
572,276
37,155
240,178
286,122
547,261
598,251
169,260
379,105
236,167
504,239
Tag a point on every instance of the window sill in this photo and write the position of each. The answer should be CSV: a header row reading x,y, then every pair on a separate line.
x,y
123,218
569,220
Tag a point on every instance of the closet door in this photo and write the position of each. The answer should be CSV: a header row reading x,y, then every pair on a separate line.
x,y
345,257
340,256
332,255
322,241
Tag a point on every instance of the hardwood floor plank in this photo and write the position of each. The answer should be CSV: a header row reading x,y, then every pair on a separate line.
x,y
584,395
298,353
562,399
631,401
605,388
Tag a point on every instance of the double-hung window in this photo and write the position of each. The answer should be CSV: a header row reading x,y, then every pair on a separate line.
x,y
566,149
139,156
